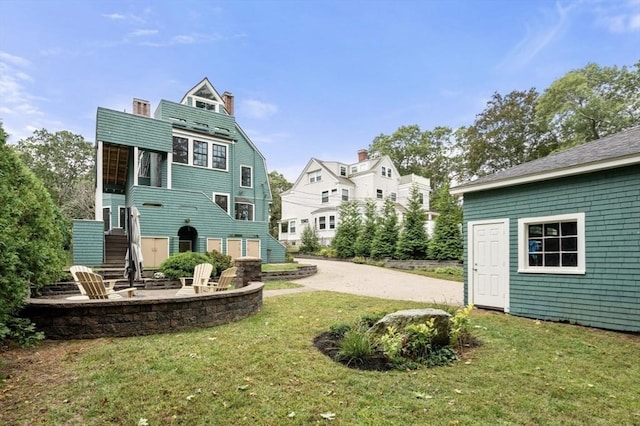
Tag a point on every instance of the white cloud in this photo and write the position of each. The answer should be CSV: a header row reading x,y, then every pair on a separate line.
x,y
13,60
618,17
115,16
258,109
143,33
537,37
183,39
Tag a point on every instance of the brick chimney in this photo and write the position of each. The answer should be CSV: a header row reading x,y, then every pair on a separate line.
x,y
363,155
141,107
227,98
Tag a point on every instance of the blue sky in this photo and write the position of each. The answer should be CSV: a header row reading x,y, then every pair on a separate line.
x,y
310,78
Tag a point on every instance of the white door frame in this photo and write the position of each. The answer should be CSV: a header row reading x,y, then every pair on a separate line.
x,y
505,257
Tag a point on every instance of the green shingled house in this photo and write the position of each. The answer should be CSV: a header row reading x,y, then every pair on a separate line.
x,y
196,178
558,238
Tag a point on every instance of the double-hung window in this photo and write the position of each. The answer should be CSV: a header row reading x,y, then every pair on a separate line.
x,y
345,195
552,244
200,153
332,222
322,222
246,178
379,194
292,226
219,157
180,150
325,196
315,176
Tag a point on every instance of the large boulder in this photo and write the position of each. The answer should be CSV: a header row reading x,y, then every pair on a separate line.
x,y
400,319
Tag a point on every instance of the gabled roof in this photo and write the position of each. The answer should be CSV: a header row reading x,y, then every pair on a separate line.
x,y
205,90
618,150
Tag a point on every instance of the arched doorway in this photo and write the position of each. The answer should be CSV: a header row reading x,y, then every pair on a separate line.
x,y
187,235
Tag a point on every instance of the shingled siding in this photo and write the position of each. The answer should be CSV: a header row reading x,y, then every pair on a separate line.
x,y
608,295
191,118
122,128
164,212
88,245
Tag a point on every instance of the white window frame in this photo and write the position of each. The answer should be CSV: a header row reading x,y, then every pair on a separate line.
x,y
345,195
343,171
379,194
223,194
394,196
292,227
322,197
315,176
322,223
242,166
332,222
211,143
523,247
384,171
354,169
120,209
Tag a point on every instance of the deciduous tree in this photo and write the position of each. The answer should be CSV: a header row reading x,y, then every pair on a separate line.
x,y
278,184
591,102
65,163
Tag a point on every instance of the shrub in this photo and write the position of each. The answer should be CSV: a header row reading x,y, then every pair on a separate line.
x,y
220,261
309,241
31,241
183,264
338,331
450,270
460,327
328,252
355,347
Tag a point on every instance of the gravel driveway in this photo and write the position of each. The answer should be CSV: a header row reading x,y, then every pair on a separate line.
x,y
366,280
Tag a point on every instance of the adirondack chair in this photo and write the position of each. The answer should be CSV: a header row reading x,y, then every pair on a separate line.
x,y
95,288
226,278
109,284
201,275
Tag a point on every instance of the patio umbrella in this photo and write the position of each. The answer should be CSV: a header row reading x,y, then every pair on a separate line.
x,y
133,266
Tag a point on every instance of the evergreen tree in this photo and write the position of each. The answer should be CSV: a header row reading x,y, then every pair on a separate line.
x,y
348,229
414,241
365,239
31,240
447,237
386,238
310,243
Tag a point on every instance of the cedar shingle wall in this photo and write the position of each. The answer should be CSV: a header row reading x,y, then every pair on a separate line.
x,y
608,295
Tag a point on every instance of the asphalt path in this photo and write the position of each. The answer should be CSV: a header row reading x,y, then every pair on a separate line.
x,y
373,281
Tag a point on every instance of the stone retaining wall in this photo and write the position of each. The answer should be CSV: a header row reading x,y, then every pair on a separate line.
x,y
303,271
141,315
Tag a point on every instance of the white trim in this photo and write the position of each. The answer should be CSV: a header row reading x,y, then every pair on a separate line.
x,y
121,225
505,256
213,198
136,166
99,187
253,211
571,171
259,246
201,138
169,163
523,266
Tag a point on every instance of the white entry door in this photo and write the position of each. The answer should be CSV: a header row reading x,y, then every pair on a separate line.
x,y
489,264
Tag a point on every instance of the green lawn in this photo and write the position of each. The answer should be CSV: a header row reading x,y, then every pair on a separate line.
x,y
264,370
272,267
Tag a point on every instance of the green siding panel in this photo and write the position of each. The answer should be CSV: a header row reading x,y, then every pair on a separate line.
x,y
195,119
121,128
88,242
608,295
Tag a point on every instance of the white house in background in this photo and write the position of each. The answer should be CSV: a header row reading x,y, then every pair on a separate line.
x,y
322,186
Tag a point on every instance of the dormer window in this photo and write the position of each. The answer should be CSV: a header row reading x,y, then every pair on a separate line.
x,y
205,105
343,171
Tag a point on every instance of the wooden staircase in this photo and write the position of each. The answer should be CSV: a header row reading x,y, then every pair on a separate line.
x,y
115,250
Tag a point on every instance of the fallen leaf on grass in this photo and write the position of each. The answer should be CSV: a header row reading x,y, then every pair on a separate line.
x,y
421,395
243,387
328,416
143,422
457,391
190,397
292,414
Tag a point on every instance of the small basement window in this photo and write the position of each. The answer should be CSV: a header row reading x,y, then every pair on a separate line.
x,y
552,244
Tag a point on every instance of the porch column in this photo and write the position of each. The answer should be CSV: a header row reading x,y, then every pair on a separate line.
x,y
98,201
136,165
169,162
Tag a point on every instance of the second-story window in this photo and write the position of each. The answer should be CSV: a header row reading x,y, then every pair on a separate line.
x,y
345,195
379,193
393,196
180,150
325,196
292,226
332,222
200,153
343,171
219,157
384,171
246,178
